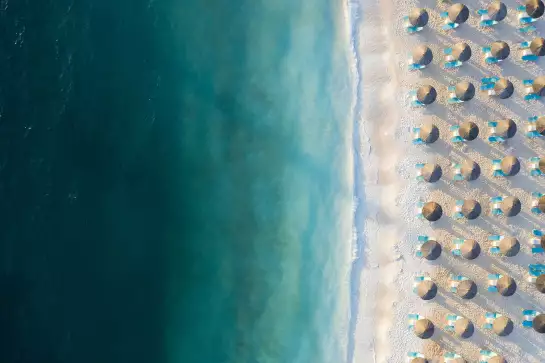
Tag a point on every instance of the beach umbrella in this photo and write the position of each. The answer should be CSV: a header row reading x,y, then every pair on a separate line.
x,y
424,328
426,290
418,17
534,8
541,165
502,326
429,133
510,165
455,360
422,55
500,50
509,246
540,125
470,249
539,323
468,130
431,250
541,203
471,209
506,286
497,359
539,86
511,206
506,128
537,46
463,328
466,289
432,211
426,94
540,283
461,51
497,11
458,13
419,360
504,88
470,170
542,241
464,90
431,172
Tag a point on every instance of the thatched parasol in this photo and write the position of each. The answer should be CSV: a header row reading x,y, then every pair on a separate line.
x,y
424,328
431,172
537,46
463,328
534,8
461,51
422,55
426,290
471,209
506,286
540,125
458,13
511,206
466,289
504,88
470,249
431,250
497,11
540,283
539,86
510,165
426,94
541,203
500,50
502,326
418,17
506,128
470,170
429,133
497,359
509,246
539,323
464,90
419,360
432,211
468,130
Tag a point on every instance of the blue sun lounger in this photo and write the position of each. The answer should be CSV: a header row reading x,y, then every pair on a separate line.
x,y
532,129
525,21
450,62
527,54
530,94
529,316
495,244
535,202
488,58
496,205
486,355
534,166
485,22
411,29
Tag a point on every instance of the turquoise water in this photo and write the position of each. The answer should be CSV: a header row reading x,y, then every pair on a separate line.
x,y
176,181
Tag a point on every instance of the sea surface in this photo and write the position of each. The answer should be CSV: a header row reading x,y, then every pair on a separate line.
x,y
176,181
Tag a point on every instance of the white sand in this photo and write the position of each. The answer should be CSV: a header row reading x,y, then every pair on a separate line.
x,y
391,191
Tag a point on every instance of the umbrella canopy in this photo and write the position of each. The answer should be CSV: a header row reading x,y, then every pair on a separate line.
x,y
431,172
418,17
461,51
541,165
427,290
497,11
510,165
504,88
502,326
422,55
539,86
471,209
426,94
542,241
540,125
429,133
541,203
506,286
537,46
432,211
458,13
464,90
467,289
539,323
424,328
468,130
497,359
470,170
419,360
534,8
511,206
431,250
500,50
464,328
470,249
509,246
540,283
506,128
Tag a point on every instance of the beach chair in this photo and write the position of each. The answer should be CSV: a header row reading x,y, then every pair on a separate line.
x,y
455,130
410,28
496,168
450,62
488,83
414,100
525,21
496,205
527,54
413,355
494,244
417,140
531,130
455,281
488,58
451,357
533,165
458,242
485,22
421,240
417,280
493,282
494,138
529,91
451,321
490,317
535,242
457,172
449,25
535,270
412,65
458,212
413,318
486,356
529,316
535,202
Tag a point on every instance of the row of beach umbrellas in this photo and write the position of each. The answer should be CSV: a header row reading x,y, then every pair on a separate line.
x,y
470,249
469,130
495,359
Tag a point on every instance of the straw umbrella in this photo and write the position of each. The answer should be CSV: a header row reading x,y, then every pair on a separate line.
x,y
500,50
539,323
541,203
506,286
471,209
540,125
534,8
431,172
509,246
510,165
419,360
540,283
431,250
506,128
467,289
470,170
426,290
511,206
497,11
464,90
470,249
504,88
497,359
426,94
463,328
418,17
468,130
461,52
539,86
537,46
432,211
429,133
458,13
424,328
422,55
502,326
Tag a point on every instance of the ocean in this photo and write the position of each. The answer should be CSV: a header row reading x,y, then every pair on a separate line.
x,y
176,181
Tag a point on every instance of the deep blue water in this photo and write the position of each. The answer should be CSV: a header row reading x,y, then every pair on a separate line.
x,y
174,181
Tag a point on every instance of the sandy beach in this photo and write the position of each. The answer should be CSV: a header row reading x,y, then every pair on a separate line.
x,y
390,226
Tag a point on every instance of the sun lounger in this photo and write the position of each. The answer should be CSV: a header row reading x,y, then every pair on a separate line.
x,y
531,129
449,25
485,22
530,94
535,202
413,355
489,319
527,54
492,282
529,316
486,355
493,138
410,29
